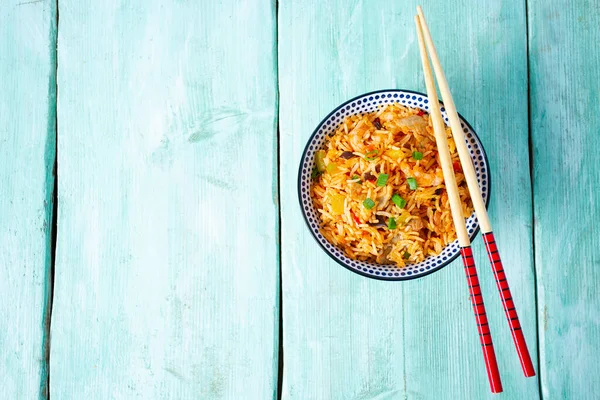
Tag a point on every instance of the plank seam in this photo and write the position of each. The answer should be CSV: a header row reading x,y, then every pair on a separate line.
x,y
531,179
45,384
280,361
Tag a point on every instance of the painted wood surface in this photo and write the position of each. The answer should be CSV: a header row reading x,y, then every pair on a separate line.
x,y
347,337
167,255
158,294
27,153
565,121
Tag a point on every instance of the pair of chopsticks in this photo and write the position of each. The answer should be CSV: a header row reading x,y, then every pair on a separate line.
x,y
480,210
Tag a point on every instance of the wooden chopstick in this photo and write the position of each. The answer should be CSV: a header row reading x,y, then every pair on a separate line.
x,y
479,205
485,337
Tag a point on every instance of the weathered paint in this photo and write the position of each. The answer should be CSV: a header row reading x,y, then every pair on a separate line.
x,y
349,337
565,124
167,254
27,154
159,296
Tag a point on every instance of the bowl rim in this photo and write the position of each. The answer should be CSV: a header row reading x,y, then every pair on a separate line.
x,y
366,275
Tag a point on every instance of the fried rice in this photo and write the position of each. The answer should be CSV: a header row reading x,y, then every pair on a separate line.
x,y
379,189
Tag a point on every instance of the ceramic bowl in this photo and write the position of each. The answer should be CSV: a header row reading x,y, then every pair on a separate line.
x,y
364,104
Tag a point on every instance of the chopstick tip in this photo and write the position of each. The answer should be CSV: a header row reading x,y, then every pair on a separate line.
x,y
419,10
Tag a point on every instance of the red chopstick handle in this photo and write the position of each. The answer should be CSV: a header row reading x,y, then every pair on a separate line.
x,y
508,304
485,336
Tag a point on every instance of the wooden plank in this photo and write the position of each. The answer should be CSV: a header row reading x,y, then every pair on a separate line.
x,y
346,336
167,254
565,123
27,154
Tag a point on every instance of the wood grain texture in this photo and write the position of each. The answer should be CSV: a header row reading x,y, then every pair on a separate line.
x,y
167,253
27,154
347,337
565,121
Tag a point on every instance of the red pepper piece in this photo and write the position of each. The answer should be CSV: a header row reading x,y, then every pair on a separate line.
x,y
355,218
456,166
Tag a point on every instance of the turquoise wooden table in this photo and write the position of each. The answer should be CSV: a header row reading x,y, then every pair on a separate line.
x,y
152,246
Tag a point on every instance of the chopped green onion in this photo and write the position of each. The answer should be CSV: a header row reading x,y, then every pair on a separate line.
x,y
417,155
368,203
406,255
354,177
412,183
315,173
371,155
399,201
391,223
382,179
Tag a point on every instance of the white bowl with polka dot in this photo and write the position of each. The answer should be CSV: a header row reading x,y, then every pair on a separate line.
x,y
367,103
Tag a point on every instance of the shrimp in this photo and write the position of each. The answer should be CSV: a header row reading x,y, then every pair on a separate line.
x,y
424,179
416,224
356,136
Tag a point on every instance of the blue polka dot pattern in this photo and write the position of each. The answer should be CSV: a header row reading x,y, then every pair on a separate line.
x,y
365,104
